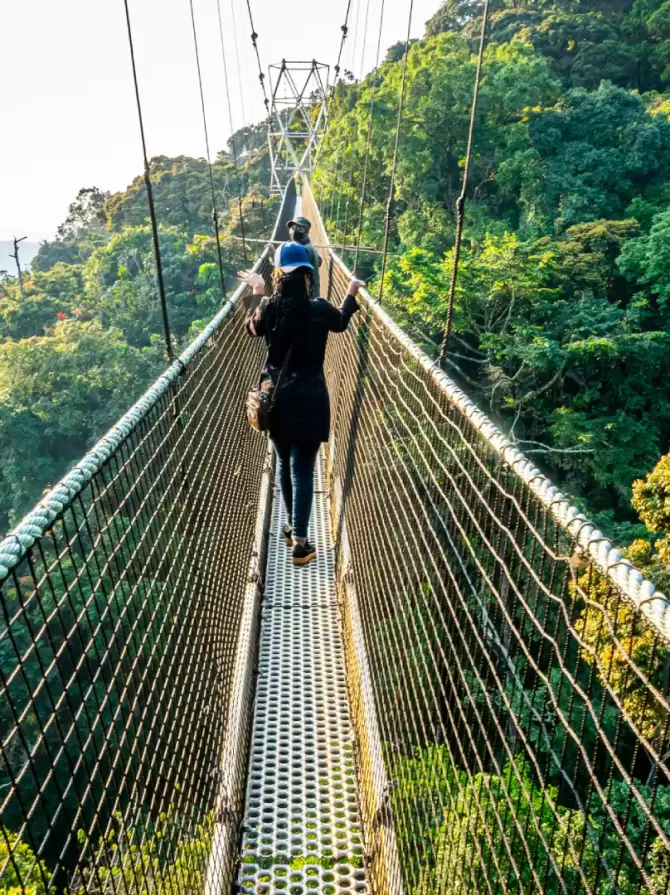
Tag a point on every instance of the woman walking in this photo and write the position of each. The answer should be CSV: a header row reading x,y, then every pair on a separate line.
x,y
290,320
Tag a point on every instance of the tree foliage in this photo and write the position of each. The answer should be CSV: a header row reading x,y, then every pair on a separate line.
x,y
561,320
84,338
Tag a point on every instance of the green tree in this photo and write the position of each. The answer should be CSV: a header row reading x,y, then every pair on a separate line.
x,y
23,873
593,153
646,260
60,392
121,290
84,228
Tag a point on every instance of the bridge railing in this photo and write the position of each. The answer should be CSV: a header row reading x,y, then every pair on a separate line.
x,y
123,602
509,669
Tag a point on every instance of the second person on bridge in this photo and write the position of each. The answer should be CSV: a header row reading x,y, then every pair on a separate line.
x,y
289,320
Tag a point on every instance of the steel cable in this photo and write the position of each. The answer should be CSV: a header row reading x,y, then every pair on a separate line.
x,y
394,163
261,75
353,155
215,215
232,131
150,194
368,142
460,202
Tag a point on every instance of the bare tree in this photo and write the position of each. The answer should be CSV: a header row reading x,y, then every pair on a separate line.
x,y
15,256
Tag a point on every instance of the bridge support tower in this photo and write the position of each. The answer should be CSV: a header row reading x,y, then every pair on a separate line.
x,y
298,118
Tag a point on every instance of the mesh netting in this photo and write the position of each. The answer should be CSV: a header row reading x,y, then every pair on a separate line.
x,y
118,637
520,739
508,671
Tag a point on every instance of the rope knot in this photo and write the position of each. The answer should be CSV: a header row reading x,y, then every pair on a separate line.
x,y
254,36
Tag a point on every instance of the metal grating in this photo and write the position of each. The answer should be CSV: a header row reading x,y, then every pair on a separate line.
x,y
302,829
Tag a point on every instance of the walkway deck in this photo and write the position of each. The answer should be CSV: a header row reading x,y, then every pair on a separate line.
x,y
302,829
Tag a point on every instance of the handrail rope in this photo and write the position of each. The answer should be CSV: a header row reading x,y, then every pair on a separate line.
x,y
232,132
394,165
37,521
215,215
353,156
150,195
368,145
261,75
371,250
460,202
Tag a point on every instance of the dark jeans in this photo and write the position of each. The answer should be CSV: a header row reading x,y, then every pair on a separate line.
x,y
296,480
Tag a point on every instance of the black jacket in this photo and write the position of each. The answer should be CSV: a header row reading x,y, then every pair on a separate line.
x,y
302,411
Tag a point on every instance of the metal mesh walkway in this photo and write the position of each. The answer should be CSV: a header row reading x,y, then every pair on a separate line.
x,y
302,829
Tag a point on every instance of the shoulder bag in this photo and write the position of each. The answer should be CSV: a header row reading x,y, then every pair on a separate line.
x,y
262,399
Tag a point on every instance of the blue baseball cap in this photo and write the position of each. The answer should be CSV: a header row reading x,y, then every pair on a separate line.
x,y
291,255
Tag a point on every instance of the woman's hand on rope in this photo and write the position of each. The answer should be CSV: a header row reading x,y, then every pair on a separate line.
x,y
253,279
354,286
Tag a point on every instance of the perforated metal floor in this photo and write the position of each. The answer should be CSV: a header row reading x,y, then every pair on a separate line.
x,y
302,828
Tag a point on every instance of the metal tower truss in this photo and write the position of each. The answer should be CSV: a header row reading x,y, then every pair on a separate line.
x,y
298,117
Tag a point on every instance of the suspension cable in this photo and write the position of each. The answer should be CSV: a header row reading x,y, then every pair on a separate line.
x,y
215,216
237,57
353,156
261,75
368,145
150,195
342,150
345,30
460,202
337,180
394,165
232,132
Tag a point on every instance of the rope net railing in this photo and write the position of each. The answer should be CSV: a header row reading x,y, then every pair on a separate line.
x,y
122,595
508,670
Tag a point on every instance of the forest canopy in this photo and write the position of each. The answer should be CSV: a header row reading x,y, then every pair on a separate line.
x,y
561,334
562,306
82,336
561,326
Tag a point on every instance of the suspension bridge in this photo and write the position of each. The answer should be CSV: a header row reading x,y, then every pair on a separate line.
x,y
466,692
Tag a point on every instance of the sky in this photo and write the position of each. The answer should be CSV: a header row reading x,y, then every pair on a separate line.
x,y
69,116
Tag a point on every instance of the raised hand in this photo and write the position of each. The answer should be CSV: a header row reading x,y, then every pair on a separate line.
x,y
252,279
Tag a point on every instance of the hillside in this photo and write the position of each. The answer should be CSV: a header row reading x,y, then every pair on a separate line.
x,y
85,338
562,318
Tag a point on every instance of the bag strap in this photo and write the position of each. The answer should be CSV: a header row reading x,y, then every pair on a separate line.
x,y
282,373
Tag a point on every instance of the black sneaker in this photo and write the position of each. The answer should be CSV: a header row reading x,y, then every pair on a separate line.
x,y
287,532
303,553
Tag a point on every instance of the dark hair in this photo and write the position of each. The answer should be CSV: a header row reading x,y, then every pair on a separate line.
x,y
289,302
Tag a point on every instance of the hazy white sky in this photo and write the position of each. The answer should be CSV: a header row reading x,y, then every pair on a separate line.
x,y
69,113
